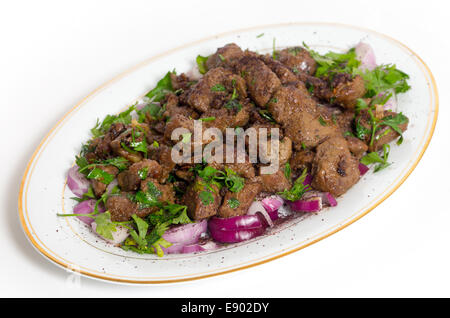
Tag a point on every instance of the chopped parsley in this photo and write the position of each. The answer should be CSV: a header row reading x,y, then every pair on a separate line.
x,y
201,63
143,173
163,86
208,119
297,190
218,88
266,115
124,118
322,121
100,175
206,197
233,203
374,157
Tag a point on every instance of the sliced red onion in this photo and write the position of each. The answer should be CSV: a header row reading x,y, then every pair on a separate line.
x,y
308,179
272,203
111,186
391,104
175,248
313,204
242,222
200,247
362,169
119,235
327,198
77,182
366,55
237,235
194,73
186,234
86,207
258,207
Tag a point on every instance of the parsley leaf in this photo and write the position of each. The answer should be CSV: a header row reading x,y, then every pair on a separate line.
x,y
297,190
201,63
123,118
218,88
383,78
100,175
148,198
374,157
206,197
233,203
162,88
105,226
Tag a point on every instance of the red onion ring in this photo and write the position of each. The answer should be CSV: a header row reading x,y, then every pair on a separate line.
x,y
77,182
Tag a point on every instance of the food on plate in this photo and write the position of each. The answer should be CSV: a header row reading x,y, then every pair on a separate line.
x,y
333,114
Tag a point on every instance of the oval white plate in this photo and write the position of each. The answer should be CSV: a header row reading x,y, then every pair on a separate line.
x,y
70,244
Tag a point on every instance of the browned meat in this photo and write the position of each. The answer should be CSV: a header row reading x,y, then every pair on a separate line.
x,y
180,82
122,208
301,160
126,138
334,170
275,182
245,198
167,192
224,56
306,130
228,118
289,100
98,186
162,154
172,108
356,146
345,121
384,134
261,81
197,208
177,121
215,89
102,145
130,179
297,59
347,93
283,72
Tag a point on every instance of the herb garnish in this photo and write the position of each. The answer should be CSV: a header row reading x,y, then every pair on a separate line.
x,y
201,63
124,118
374,157
233,203
297,190
162,88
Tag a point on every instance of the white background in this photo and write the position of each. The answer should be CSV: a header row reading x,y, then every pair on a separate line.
x,y
53,53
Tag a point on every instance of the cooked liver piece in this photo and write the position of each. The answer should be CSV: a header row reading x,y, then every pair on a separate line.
x,y
129,180
261,81
215,88
122,208
245,198
224,56
334,169
195,207
297,58
98,186
275,182
348,92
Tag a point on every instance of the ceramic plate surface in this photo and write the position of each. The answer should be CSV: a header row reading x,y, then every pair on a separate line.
x,y
70,244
